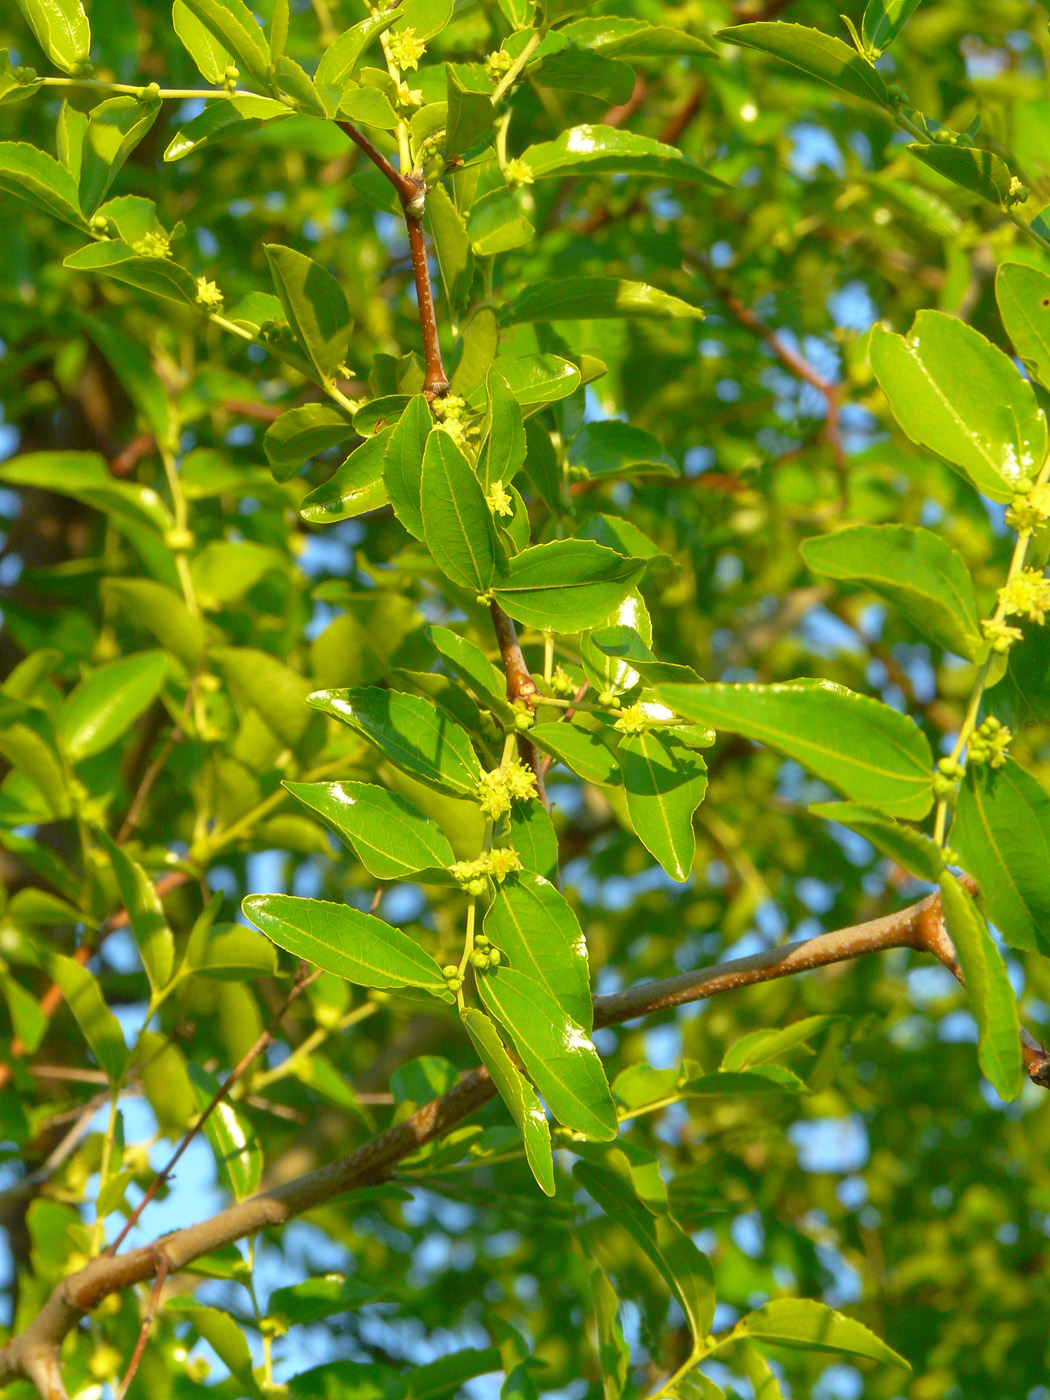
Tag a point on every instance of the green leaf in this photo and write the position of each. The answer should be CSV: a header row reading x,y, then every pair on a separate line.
x,y
223,1333
635,659
496,223
228,116
354,488
614,1355
996,437
238,1157
296,83
534,379
556,1052
28,1021
478,345
665,782
131,363
867,751
234,26
582,751
457,522
633,38
470,664
234,953
532,835
260,682
369,106
28,743
445,224
572,69
980,172
159,276
531,922
425,17
108,702
342,940
315,306
619,449
440,1379
1023,294
146,915
542,467
988,986
914,570
684,1269
115,127
225,570
200,43
912,851
301,433
503,452
14,88
403,463
100,1027
1001,831
85,477
597,298
600,150
470,109
566,585
883,21
61,29
36,177
392,839
817,54
517,1093
812,1326
411,732
761,1047
340,58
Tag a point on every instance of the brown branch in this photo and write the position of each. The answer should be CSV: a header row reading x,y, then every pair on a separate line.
x,y
34,1351
520,686
163,1266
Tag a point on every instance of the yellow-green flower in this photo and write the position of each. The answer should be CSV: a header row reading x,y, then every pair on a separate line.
x,y
208,295
1028,595
499,500
405,49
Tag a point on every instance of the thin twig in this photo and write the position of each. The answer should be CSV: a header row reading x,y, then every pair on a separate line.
x,y
153,772
147,1323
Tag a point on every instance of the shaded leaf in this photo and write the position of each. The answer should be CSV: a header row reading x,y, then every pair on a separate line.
x,y
817,54
517,1093
146,915
315,306
108,702
597,298
457,522
392,838
566,585
912,850
532,923
665,782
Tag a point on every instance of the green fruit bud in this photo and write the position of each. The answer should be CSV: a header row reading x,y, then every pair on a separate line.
x,y
495,958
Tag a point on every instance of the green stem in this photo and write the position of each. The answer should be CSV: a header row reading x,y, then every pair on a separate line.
x,y
139,90
315,1039
514,72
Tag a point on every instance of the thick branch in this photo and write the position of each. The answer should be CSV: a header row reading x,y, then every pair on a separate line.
x,y
32,1353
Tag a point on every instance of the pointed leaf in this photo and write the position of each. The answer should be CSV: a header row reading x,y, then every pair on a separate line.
x,y
445,224
85,477
108,702
234,26
470,109
619,449
559,1057
1023,294
597,298
533,836
260,682
342,940
761,1047
991,996
632,38
61,29
340,58
664,782
914,570
980,172
996,437
597,150
869,752
517,1093
532,923
115,127
884,20
100,1027
496,223
817,54
301,433
801,1322
503,453
200,43
238,1157
33,175
315,306
411,732
457,522
145,912
566,585
230,116
392,839
403,463
614,1355
912,851
1001,831
582,751
354,488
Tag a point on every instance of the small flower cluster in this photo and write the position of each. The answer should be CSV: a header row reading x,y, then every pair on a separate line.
x,y
405,49
153,245
473,875
484,956
1028,595
633,720
518,172
451,413
509,783
496,64
208,295
562,684
989,743
1028,512
1001,635
499,499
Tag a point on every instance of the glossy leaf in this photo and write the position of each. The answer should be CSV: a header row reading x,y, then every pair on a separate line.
x,y
801,1322
85,477
230,116
911,850
403,463
471,664
981,172
996,437
665,782
392,839
200,43
869,752
425,17
413,734
684,1269
566,585
532,923
301,433
457,522
451,244
535,379
632,38
234,26
115,127
533,836
15,87
884,20
158,276
354,488
315,306
478,345
341,57
470,110
342,940
234,953
61,29
33,175
619,449
1023,294
599,150
503,453
816,54
238,1157
556,1052
108,702
582,751
762,1047
915,570
517,1093
100,1027
988,986
1001,831
496,223
262,683
622,643
149,923
598,298
572,69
